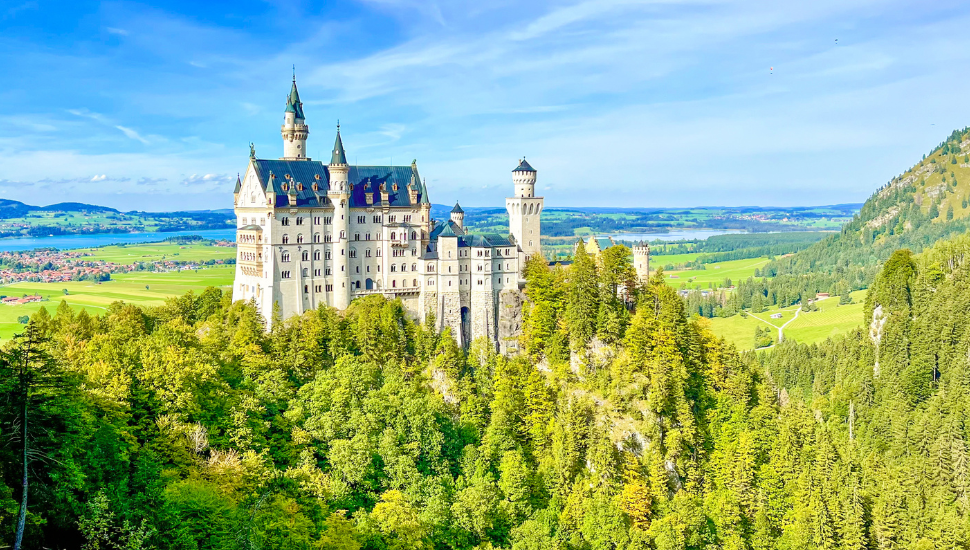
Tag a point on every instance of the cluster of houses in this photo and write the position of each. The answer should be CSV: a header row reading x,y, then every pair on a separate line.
x,y
52,266
13,300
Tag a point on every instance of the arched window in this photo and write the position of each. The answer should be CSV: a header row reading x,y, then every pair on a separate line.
x,y
285,257
316,237
299,238
286,238
393,235
414,282
393,267
414,267
306,255
353,252
404,267
394,283
367,253
414,235
316,254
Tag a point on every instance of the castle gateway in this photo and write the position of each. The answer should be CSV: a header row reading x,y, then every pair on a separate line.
x,y
311,234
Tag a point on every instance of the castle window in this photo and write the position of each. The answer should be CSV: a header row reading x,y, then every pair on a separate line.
x,y
262,221
367,253
316,220
392,219
317,288
414,235
393,235
327,238
488,253
285,221
361,219
285,257
414,282
284,274
327,220
244,221
353,252
328,272
316,272
414,267
305,256
357,269
356,236
286,239
407,218
394,282
367,236
305,273
299,238
378,252
414,251
328,254
316,237
316,254
393,268
329,288
299,220
404,267
343,234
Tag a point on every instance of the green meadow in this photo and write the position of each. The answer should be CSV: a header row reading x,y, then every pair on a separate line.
x,y
151,252
714,275
829,320
144,288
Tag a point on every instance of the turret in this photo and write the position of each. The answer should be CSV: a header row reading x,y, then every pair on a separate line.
x,y
339,195
458,216
641,261
294,129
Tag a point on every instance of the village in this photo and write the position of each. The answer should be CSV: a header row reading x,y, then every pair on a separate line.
x,y
52,266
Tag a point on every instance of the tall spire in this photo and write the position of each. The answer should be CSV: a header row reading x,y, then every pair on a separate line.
x,y
293,103
339,157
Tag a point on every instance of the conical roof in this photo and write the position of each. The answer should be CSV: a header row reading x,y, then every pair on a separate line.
x,y
238,184
457,209
339,157
524,167
293,103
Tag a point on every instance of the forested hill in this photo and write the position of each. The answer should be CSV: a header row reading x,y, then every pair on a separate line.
x,y
927,203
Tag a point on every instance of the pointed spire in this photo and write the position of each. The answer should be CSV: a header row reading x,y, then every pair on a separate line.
x,y
524,166
293,103
238,183
339,157
457,209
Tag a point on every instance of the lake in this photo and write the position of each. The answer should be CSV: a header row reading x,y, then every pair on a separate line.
x,y
675,235
67,242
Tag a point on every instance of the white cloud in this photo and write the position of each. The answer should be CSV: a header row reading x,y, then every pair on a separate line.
x,y
102,177
131,134
114,30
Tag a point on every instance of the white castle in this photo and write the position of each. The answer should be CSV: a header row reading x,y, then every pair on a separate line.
x,y
311,234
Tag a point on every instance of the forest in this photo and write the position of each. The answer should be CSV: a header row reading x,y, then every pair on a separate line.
x,y
625,424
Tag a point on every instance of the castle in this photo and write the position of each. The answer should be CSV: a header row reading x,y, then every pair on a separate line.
x,y
311,234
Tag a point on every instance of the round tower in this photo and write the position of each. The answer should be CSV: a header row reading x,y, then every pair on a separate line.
x,y
641,261
458,216
524,210
294,129
339,195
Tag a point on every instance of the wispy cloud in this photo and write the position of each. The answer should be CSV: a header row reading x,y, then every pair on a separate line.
x,y
114,30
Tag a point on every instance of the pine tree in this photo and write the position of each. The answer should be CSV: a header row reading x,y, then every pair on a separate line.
x,y
582,299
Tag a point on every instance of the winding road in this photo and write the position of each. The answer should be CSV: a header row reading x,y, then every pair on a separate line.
x,y
781,335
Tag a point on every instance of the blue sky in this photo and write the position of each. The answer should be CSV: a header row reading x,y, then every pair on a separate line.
x,y
615,102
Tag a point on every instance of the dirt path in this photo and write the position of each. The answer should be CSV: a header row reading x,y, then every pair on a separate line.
x,y
781,335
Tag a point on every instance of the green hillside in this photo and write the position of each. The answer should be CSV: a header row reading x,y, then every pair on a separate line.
x,y
927,203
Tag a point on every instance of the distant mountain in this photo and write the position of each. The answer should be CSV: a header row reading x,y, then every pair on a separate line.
x,y
15,209
929,202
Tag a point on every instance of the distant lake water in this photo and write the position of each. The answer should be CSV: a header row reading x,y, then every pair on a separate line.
x,y
675,235
67,242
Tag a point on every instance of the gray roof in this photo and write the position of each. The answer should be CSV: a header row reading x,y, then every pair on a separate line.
x,y
457,209
238,184
524,167
489,240
251,227
364,179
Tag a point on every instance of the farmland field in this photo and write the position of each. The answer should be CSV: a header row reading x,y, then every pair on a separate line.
x,y
144,288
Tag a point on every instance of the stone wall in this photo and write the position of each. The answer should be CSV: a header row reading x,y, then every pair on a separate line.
x,y
483,314
510,304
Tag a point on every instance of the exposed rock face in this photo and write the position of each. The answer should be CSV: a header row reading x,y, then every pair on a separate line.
x,y
509,320
875,333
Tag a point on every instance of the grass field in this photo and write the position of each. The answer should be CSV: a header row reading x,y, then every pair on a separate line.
x,y
142,288
831,319
151,252
714,275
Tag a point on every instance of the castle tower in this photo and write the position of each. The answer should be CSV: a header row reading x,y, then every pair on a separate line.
x,y
458,216
641,261
524,209
294,130
339,195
